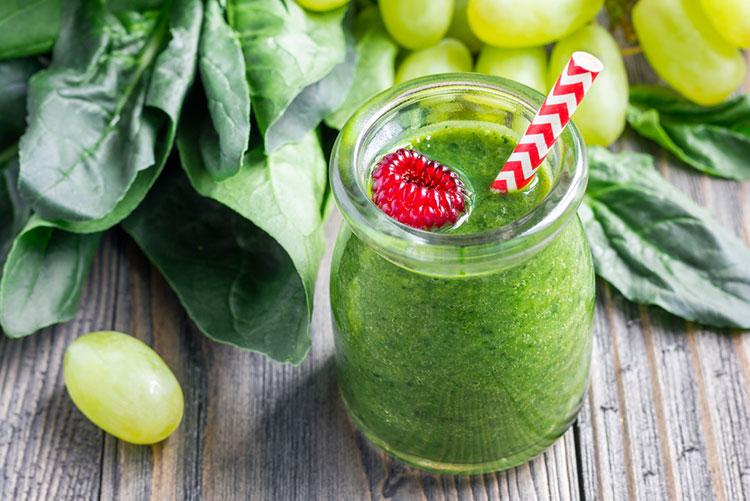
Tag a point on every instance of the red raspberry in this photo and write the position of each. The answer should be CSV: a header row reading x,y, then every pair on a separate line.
x,y
417,191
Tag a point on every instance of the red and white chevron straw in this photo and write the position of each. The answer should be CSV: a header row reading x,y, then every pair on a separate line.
x,y
572,84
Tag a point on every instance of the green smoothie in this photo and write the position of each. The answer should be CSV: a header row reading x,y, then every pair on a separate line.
x,y
477,154
466,374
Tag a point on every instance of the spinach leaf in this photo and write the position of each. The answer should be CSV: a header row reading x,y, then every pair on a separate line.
x,y
105,112
282,193
712,139
657,246
43,277
313,103
117,6
286,49
14,76
223,140
374,71
236,282
28,27
13,211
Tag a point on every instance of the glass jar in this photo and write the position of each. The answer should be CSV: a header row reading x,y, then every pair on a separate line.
x,y
460,353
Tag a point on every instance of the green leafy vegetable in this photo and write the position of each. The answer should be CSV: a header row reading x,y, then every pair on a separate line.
x,y
313,103
43,277
102,121
13,211
236,282
28,27
657,246
286,49
374,71
713,139
117,6
104,114
223,140
14,76
282,193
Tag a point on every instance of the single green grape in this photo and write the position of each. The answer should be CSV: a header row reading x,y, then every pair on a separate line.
x,y
527,65
123,387
601,115
686,51
731,18
416,24
528,23
322,5
460,29
448,56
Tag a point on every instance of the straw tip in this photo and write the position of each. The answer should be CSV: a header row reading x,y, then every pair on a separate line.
x,y
587,61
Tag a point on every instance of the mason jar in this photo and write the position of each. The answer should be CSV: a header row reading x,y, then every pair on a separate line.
x,y
460,353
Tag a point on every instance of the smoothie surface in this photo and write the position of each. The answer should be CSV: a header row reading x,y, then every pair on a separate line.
x,y
477,152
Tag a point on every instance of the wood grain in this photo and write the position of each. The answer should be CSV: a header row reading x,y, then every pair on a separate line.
x,y
147,309
48,449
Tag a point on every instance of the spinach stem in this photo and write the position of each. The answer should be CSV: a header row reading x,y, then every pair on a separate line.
x,y
8,153
147,57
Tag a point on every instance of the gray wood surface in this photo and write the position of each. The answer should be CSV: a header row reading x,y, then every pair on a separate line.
x,y
667,414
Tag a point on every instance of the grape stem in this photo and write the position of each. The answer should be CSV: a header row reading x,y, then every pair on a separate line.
x,y
618,12
631,51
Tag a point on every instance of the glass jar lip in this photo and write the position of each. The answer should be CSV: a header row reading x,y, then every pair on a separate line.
x,y
410,246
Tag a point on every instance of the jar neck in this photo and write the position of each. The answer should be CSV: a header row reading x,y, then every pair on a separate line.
x,y
401,112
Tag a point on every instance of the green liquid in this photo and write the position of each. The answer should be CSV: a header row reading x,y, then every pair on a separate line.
x,y
477,155
474,374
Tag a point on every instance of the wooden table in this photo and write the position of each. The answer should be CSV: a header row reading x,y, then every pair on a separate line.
x,y
667,414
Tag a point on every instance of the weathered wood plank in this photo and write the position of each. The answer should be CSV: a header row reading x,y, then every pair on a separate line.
x,y
147,309
48,449
603,439
646,425
719,365
728,407
688,449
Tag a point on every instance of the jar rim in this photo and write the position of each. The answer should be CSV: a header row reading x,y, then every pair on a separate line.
x,y
449,254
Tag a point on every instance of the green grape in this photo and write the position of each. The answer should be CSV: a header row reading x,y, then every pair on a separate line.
x,y
123,386
460,29
447,56
526,65
322,5
416,24
601,115
731,18
528,23
686,51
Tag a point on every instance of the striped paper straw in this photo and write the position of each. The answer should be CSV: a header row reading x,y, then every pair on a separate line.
x,y
572,84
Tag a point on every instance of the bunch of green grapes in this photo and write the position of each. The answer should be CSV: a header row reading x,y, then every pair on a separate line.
x,y
691,44
510,38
